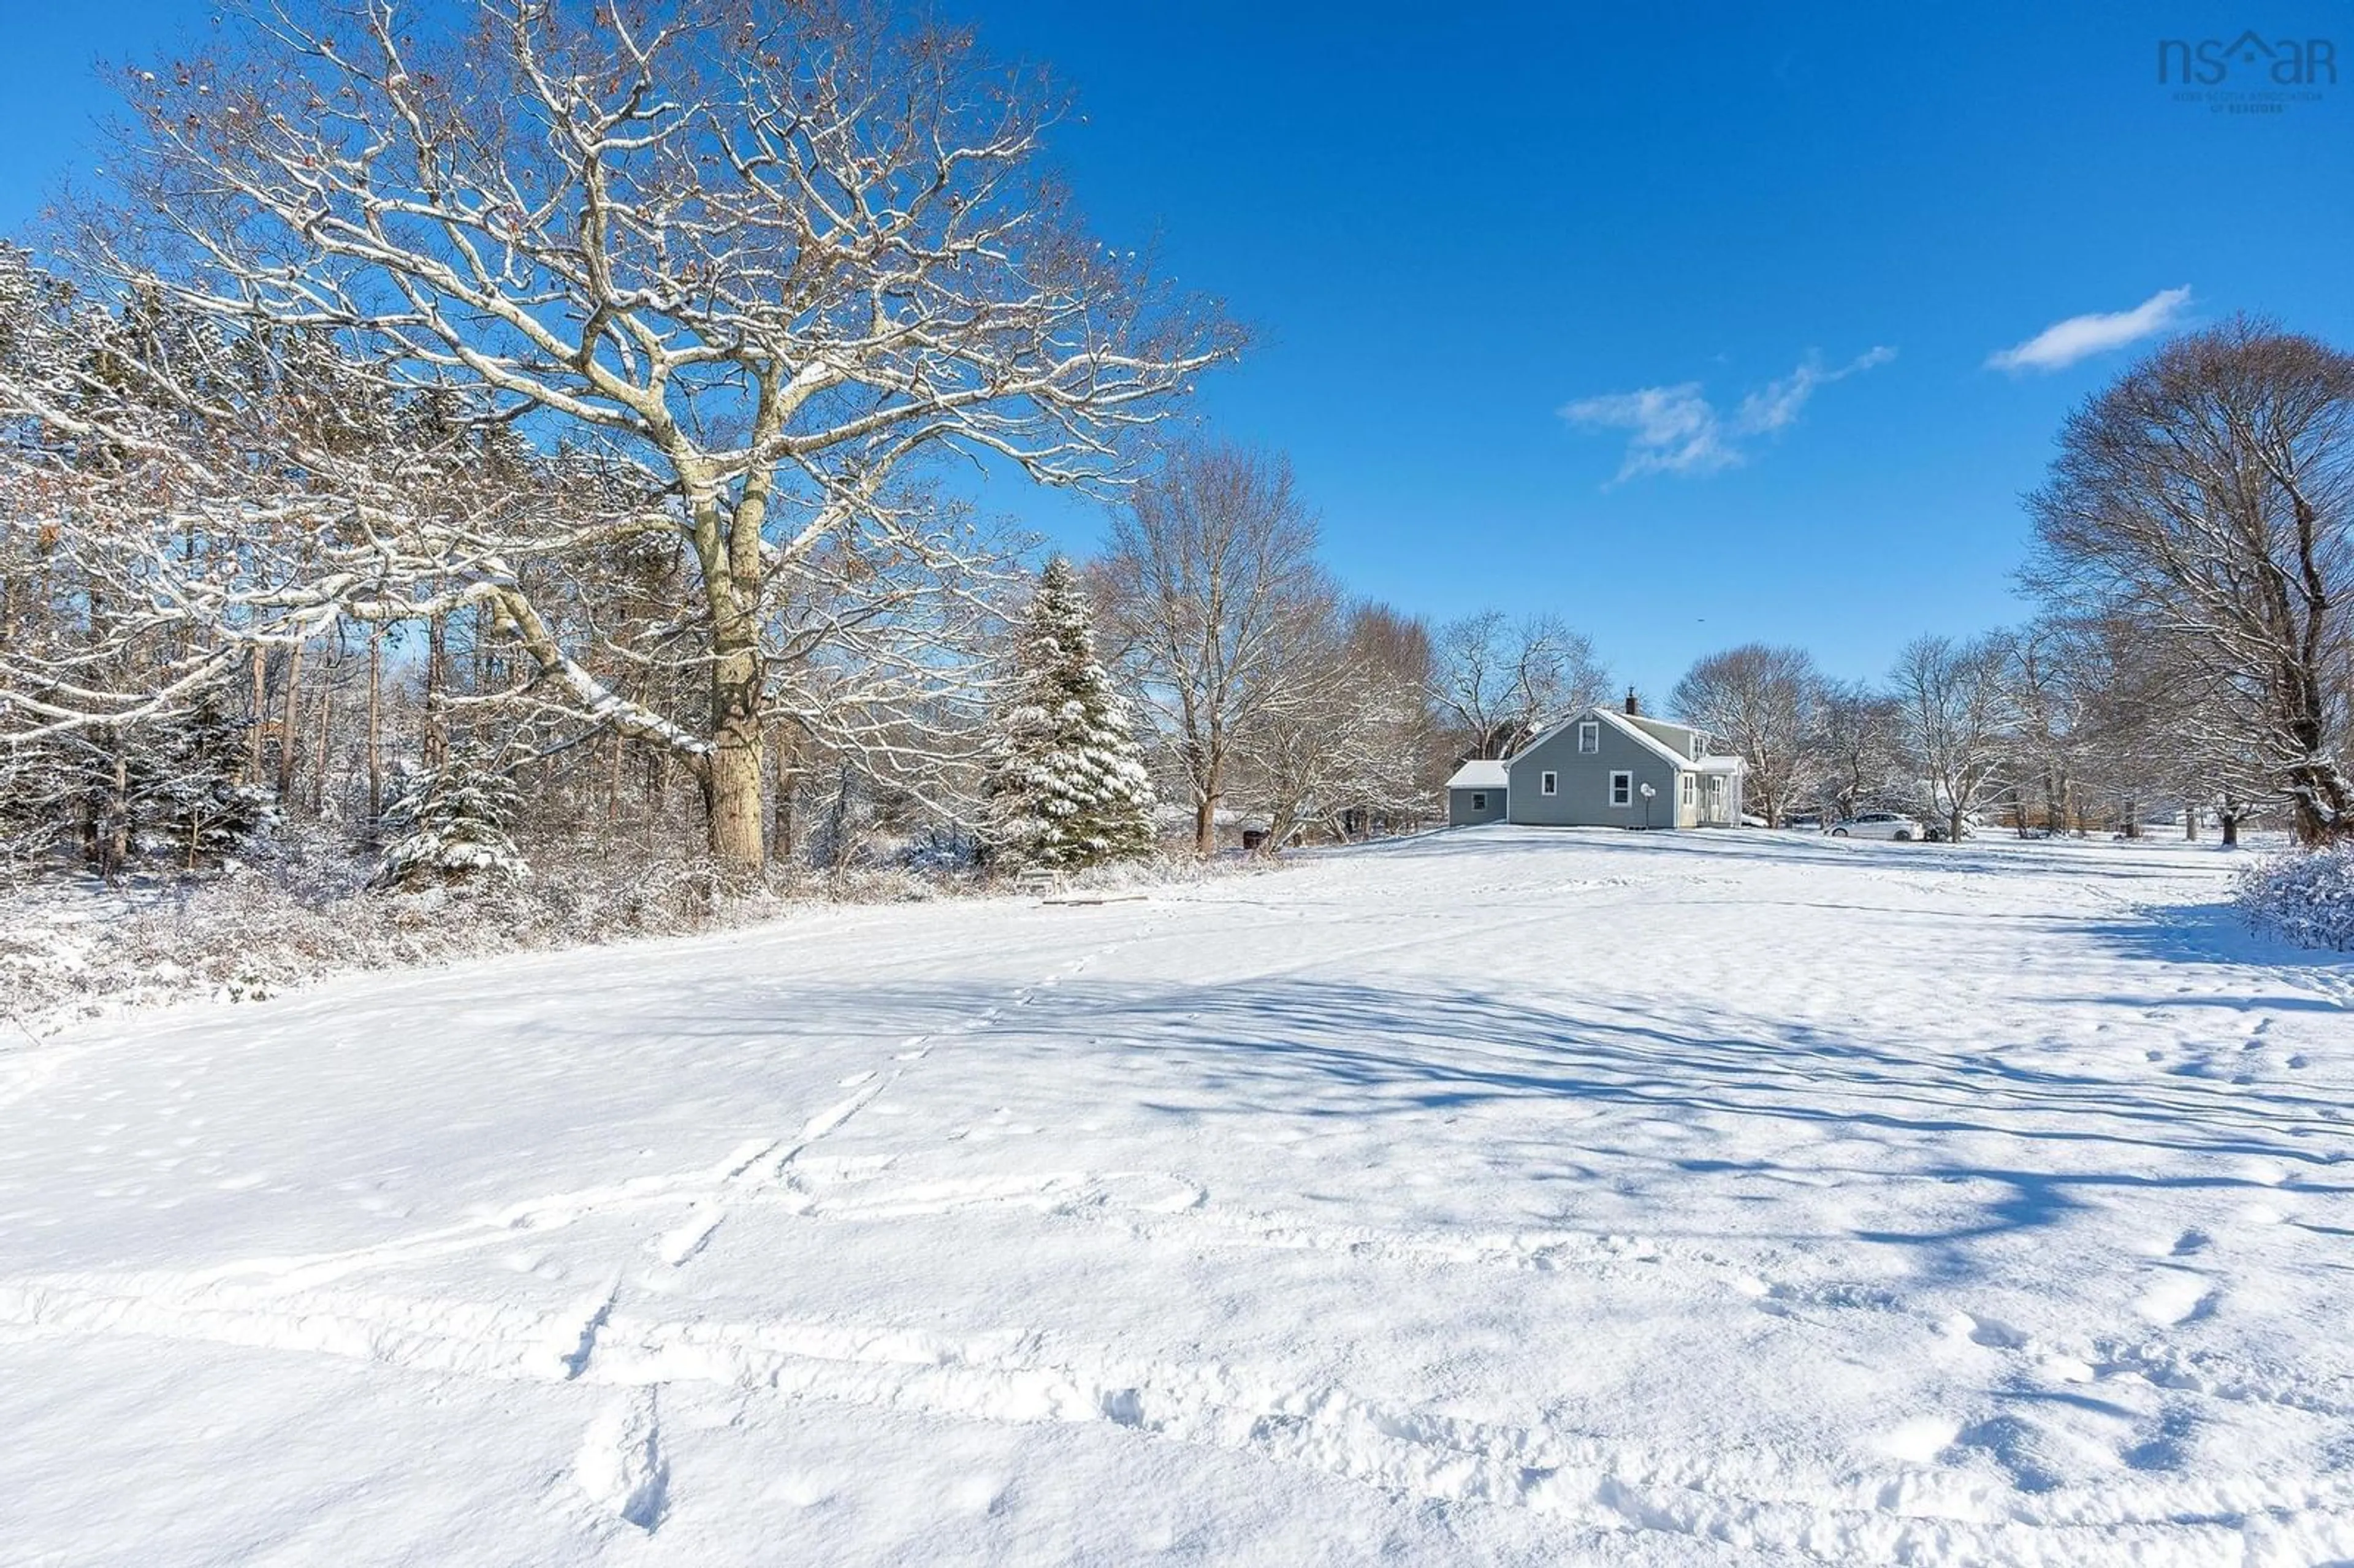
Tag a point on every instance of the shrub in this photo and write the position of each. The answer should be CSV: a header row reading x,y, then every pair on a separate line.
x,y
2308,898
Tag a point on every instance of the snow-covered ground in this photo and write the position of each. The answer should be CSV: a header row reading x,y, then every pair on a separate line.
x,y
1502,1195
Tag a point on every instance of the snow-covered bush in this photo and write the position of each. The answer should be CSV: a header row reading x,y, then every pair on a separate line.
x,y
449,824
2308,898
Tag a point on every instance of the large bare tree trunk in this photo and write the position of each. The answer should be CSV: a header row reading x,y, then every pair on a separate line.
x,y
732,798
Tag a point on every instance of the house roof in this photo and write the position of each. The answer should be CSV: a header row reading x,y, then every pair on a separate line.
x,y
1618,722
1479,773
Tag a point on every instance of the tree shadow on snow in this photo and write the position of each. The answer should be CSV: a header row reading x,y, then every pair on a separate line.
x,y
1560,1085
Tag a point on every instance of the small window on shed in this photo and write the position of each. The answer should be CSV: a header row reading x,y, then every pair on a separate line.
x,y
1479,799
1589,738
1622,789
1549,784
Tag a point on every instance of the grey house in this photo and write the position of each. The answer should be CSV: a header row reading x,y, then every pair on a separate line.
x,y
1604,768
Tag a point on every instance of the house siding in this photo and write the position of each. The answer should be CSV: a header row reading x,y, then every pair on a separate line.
x,y
1584,801
1461,813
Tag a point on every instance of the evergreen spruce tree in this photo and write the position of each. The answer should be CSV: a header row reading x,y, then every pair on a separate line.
x,y
1066,785
450,822
187,779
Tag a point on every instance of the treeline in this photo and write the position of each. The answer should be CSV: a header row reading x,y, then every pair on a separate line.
x,y
2194,558
552,459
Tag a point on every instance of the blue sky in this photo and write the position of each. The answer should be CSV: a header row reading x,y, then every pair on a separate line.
x,y
1450,225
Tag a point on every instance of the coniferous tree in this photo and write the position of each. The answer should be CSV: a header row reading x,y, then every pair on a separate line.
x,y
1067,786
450,822
185,780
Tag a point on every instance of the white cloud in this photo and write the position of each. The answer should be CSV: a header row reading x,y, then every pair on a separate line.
x,y
2062,344
1676,429
1672,430
1776,406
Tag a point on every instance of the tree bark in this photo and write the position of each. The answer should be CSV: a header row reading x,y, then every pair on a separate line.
x,y
326,748
435,741
732,773
780,840
260,714
289,725
374,729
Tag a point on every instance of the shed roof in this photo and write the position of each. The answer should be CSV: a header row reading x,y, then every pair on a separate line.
x,y
1479,773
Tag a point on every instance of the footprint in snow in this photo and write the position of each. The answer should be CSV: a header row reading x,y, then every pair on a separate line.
x,y
621,1466
2179,1297
855,1079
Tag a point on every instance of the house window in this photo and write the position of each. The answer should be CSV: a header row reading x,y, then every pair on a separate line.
x,y
1696,746
1478,800
1589,738
1687,788
1622,789
1549,784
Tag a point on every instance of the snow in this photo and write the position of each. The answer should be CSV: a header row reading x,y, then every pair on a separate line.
x,y
1502,1195
1479,773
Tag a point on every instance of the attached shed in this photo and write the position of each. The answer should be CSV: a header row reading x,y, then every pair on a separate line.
x,y
1476,794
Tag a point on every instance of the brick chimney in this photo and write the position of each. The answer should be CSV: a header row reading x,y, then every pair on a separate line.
x,y
1634,704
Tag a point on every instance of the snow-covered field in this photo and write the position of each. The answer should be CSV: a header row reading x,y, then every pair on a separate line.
x,y
1498,1196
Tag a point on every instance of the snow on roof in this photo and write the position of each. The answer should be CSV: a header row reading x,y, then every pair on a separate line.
x,y
1479,773
1719,765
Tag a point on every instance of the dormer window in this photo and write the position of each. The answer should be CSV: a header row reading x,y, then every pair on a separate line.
x,y
1696,745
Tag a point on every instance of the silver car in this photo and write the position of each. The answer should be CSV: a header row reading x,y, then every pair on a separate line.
x,y
1878,825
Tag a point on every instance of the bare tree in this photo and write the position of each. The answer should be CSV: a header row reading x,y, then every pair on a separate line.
x,y
1351,743
1954,710
1500,682
1215,605
2056,679
1764,703
1858,740
754,261
2207,498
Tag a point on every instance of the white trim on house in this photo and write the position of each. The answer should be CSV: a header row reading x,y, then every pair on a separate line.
x,y
1589,737
1548,782
1622,789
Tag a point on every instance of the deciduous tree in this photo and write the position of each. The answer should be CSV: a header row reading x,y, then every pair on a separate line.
x,y
2207,499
